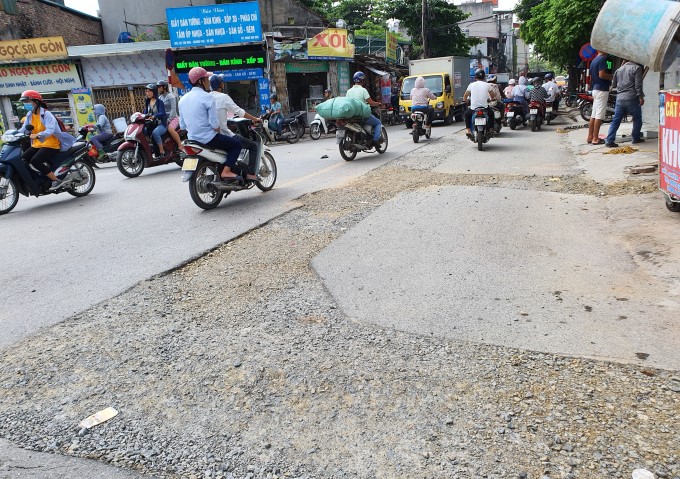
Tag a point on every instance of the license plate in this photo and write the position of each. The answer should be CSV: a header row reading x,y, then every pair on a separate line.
x,y
190,164
533,112
549,109
510,114
480,121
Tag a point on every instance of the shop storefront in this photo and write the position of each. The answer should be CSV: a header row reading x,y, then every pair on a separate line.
x,y
24,66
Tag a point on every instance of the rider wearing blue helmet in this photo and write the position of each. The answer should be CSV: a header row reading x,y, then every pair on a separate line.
x,y
361,94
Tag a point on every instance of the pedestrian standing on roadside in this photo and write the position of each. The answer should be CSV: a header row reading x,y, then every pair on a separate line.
x,y
601,78
629,100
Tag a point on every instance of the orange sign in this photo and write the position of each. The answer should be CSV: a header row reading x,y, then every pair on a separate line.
x,y
33,48
331,43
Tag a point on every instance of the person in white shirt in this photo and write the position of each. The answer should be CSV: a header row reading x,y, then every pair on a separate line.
x,y
479,92
226,105
361,94
553,91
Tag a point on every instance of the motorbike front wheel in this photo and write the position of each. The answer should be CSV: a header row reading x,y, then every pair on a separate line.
x,y
267,173
83,173
315,131
293,135
383,147
129,164
347,151
201,189
9,196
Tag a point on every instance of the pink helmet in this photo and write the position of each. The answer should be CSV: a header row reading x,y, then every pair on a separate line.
x,y
197,73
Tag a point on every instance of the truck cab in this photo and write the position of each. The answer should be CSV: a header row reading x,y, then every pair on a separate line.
x,y
440,85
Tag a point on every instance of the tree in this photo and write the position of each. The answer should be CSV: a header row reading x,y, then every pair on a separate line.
x,y
558,28
444,36
523,9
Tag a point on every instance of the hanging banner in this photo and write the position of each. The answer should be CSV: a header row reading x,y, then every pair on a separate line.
x,y
263,90
307,67
669,143
31,48
82,98
331,43
343,78
108,71
214,24
391,47
41,76
290,51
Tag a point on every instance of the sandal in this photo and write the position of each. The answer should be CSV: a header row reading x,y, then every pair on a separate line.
x,y
599,141
470,135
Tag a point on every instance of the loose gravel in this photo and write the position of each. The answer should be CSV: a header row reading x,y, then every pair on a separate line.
x,y
240,365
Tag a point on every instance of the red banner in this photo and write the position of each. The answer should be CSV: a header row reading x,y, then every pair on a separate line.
x,y
669,143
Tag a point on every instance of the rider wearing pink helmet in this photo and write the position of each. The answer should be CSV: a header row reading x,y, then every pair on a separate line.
x,y
198,115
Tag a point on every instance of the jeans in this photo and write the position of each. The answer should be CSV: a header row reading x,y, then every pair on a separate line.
x,y
377,127
275,124
251,146
626,107
97,140
157,134
230,144
428,110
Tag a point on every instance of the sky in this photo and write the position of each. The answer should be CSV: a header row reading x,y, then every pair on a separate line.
x,y
86,6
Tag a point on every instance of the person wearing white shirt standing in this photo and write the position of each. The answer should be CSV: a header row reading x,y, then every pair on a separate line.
x,y
479,93
198,115
226,105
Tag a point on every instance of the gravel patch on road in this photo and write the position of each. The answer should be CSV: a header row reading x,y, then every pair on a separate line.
x,y
240,365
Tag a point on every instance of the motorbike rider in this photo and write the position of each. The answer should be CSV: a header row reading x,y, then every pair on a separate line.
x,y
156,109
553,91
507,92
104,132
360,93
276,116
538,93
478,93
170,104
226,105
198,115
420,100
520,94
327,94
48,139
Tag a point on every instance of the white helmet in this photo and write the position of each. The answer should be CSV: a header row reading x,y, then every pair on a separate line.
x,y
512,81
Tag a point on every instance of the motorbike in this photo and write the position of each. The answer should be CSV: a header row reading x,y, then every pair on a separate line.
x,y
536,114
289,131
514,114
297,121
418,118
19,177
353,136
203,165
586,106
136,152
110,146
394,116
320,126
484,127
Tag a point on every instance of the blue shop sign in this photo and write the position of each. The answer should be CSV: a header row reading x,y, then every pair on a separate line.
x,y
214,24
229,75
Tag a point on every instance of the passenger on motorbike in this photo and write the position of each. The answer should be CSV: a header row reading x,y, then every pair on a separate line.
x,y
361,94
478,93
553,91
198,115
104,132
48,139
508,90
520,94
226,105
170,104
420,100
538,93
156,109
491,80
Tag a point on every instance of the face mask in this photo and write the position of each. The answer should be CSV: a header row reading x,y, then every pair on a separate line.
x,y
28,106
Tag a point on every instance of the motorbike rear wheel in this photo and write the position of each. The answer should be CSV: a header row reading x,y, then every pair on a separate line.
x,y
512,124
534,124
480,140
9,195
267,173
383,147
428,132
202,192
347,151
586,110
294,135
85,171
129,164
315,131
415,132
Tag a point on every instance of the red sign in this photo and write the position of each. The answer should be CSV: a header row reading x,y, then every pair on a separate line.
x,y
669,143
587,53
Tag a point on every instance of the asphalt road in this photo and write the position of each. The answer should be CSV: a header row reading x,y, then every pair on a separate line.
x,y
64,254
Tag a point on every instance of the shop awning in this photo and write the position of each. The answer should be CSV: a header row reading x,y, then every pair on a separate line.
x,y
379,72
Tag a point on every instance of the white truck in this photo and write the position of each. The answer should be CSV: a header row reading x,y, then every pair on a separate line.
x,y
447,77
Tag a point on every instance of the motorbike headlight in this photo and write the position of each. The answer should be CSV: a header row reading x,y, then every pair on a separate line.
x,y
401,108
440,104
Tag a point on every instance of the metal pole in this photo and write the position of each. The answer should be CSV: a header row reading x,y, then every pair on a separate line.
x,y
424,28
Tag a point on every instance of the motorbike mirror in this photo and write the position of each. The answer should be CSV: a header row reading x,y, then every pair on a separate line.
x,y
29,127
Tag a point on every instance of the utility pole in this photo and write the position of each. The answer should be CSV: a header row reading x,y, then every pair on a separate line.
x,y
424,28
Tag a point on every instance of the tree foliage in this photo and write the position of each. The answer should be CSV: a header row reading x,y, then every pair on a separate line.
x,y
558,28
523,9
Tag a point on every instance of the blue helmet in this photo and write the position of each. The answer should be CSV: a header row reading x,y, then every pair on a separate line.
x,y
548,76
216,82
358,77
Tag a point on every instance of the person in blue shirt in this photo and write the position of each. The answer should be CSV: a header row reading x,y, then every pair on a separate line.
x,y
601,77
276,117
198,116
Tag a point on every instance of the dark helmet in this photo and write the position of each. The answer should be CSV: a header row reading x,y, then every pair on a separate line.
x,y
548,76
162,83
216,82
327,90
479,74
153,88
537,81
274,97
358,77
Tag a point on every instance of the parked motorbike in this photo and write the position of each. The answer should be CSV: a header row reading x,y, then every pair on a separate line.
x,y
353,136
19,177
586,106
320,126
483,129
110,146
297,121
536,114
514,114
203,165
418,118
289,131
137,152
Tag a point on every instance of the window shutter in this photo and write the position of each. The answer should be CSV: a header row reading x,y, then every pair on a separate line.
x,y
10,6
